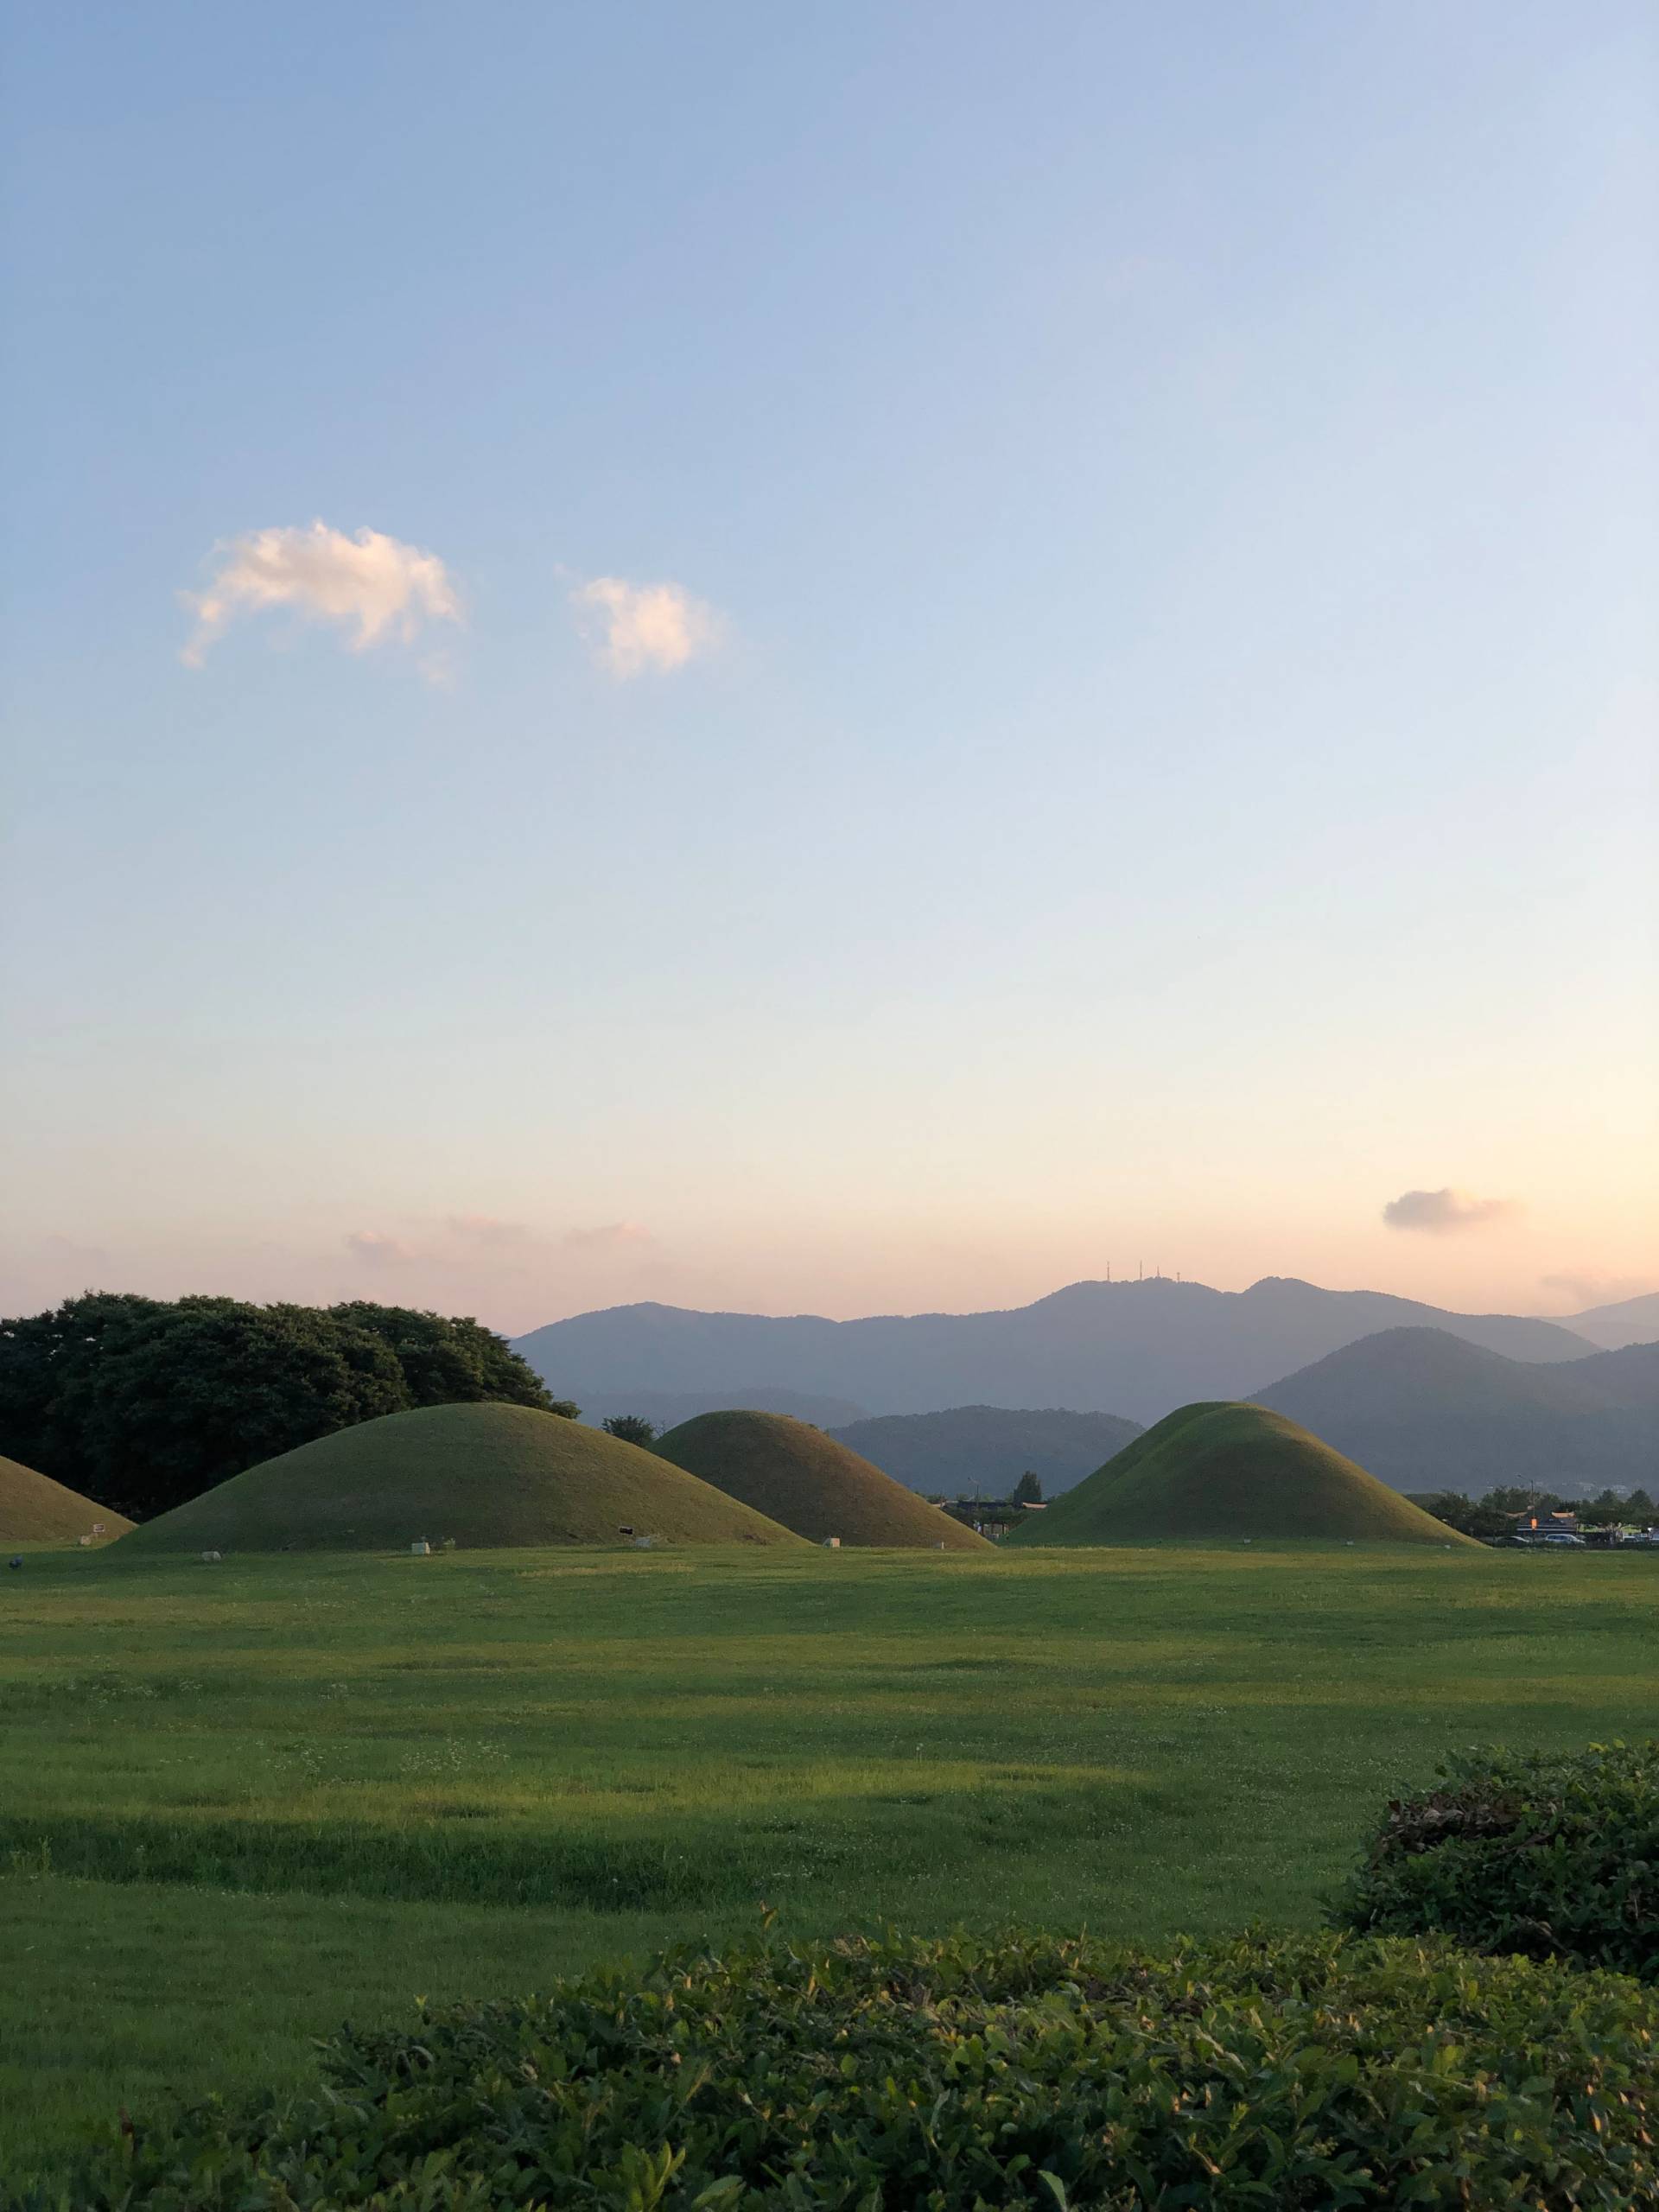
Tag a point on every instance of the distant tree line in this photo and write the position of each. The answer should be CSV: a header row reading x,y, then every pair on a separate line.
x,y
993,1513
1494,1515
143,1402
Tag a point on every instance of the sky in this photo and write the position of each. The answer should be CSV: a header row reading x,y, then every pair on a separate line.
x,y
851,659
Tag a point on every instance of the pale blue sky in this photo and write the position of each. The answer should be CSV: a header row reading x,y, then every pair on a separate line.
x,y
1174,767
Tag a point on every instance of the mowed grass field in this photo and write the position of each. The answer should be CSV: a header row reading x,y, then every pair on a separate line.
x,y
241,1803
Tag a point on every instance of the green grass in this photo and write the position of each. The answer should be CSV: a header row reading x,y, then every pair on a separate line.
x,y
241,1803
480,1475
1213,1470
35,1509
810,1482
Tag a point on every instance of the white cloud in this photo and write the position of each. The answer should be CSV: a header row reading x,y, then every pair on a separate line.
x,y
486,1229
374,583
379,1251
608,1237
632,627
1445,1212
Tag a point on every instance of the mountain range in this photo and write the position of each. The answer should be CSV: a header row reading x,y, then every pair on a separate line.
x,y
1137,1349
1425,1411
984,1450
1630,1321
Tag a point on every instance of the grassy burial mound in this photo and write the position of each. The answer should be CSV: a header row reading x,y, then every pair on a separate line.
x,y
810,1483
34,1510
1231,1471
483,1474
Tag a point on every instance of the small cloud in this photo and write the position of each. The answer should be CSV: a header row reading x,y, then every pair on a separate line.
x,y
1586,1290
1444,1212
437,670
610,1236
632,627
373,583
377,1251
486,1229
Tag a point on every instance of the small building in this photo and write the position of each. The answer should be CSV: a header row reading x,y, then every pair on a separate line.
x,y
1546,1520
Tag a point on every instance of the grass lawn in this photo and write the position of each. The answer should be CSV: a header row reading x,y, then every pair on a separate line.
x,y
240,1803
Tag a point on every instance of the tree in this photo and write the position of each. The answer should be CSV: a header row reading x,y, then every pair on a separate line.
x,y
1521,1498
632,1428
451,1362
46,1362
1028,1491
186,1397
143,1404
1606,1509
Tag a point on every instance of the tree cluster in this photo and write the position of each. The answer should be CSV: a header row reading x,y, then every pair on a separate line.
x,y
632,1428
142,1403
1494,1515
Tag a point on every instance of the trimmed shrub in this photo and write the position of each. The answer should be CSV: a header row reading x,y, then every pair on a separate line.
x,y
1280,2076
1548,1854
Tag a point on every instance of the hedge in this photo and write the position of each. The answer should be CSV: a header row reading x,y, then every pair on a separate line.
x,y
1549,1855
1277,2075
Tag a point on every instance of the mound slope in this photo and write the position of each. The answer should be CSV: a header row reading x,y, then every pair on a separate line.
x,y
809,1482
1230,1471
484,1474
34,1510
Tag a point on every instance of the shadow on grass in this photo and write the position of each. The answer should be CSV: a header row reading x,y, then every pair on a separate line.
x,y
454,1854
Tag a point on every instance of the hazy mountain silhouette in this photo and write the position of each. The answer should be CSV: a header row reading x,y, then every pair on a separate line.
x,y
1630,1321
986,1448
1138,1348
1424,1411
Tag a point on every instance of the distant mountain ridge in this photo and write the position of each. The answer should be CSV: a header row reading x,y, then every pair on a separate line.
x,y
1424,1411
984,1450
1139,1348
1630,1321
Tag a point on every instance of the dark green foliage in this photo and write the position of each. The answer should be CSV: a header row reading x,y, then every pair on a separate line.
x,y
1028,1491
47,1363
143,1405
188,1396
1470,1517
1494,1515
1547,1854
632,1428
1298,2075
449,1362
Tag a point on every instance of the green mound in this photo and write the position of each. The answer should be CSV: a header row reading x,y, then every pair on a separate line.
x,y
1232,1471
34,1510
808,1482
481,1474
